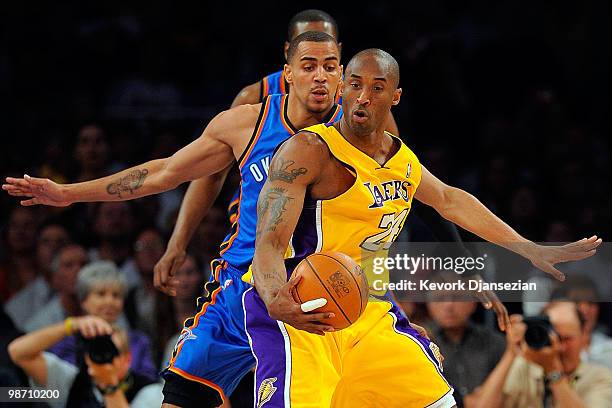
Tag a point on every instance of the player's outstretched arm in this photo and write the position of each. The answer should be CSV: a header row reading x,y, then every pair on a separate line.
x,y
212,152
296,166
466,211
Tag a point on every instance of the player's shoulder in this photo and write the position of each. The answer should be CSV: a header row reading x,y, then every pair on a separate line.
x,y
235,124
307,145
239,116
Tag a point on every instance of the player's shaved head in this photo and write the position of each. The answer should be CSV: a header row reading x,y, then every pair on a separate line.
x,y
310,36
310,16
385,61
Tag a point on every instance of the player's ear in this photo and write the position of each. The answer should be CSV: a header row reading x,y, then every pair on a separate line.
x,y
396,96
288,74
286,48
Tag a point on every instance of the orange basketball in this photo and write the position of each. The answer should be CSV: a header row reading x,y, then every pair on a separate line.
x,y
336,277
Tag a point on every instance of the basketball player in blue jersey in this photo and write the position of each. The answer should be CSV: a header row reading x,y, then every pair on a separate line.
x,y
320,196
213,352
203,192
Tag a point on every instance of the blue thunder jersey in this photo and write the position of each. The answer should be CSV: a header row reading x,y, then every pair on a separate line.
x,y
273,128
273,84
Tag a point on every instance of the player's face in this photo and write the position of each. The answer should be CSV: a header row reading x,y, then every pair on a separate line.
x,y
367,96
314,74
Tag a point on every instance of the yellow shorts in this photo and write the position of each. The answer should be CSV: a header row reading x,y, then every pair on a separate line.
x,y
379,361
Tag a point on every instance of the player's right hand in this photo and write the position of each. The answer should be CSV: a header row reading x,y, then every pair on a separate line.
x,y
40,191
165,269
284,308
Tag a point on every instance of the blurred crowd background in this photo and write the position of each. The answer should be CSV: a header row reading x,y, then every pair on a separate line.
x,y
509,100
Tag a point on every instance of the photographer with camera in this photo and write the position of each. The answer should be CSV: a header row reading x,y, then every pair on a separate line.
x,y
541,366
103,381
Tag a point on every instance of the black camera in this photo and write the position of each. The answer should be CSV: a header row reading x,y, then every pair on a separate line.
x,y
101,349
538,331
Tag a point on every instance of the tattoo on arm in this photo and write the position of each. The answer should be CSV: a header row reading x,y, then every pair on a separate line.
x,y
128,184
273,202
281,171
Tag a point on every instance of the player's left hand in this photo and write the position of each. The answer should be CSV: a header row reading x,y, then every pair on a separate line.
x,y
545,257
284,308
489,300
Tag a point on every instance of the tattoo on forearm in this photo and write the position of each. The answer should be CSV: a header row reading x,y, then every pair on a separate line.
x,y
280,170
128,184
270,209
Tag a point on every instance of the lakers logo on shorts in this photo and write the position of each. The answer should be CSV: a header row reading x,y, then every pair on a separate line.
x,y
437,354
266,391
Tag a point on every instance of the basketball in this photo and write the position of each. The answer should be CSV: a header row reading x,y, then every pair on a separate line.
x,y
337,278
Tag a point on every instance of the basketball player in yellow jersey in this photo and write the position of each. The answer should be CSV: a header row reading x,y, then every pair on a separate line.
x,y
349,187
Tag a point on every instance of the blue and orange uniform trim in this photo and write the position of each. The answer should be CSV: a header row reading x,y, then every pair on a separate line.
x,y
203,302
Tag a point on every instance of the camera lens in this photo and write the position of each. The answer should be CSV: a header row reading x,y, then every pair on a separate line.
x,y
101,349
538,332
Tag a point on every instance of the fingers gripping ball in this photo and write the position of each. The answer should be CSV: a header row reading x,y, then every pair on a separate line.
x,y
337,278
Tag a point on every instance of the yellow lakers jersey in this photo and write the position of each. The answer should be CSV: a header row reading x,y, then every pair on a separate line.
x,y
364,221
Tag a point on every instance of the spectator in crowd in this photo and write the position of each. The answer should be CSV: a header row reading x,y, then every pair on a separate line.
x,y
172,312
52,236
91,153
10,374
101,289
18,264
550,376
140,301
65,267
470,351
113,227
88,384
582,290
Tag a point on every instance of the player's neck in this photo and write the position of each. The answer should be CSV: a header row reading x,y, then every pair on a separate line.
x,y
300,117
374,144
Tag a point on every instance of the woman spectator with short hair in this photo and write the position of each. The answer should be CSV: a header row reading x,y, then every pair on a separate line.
x,y
101,289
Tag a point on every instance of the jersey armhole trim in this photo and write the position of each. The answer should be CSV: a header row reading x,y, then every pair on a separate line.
x,y
263,113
